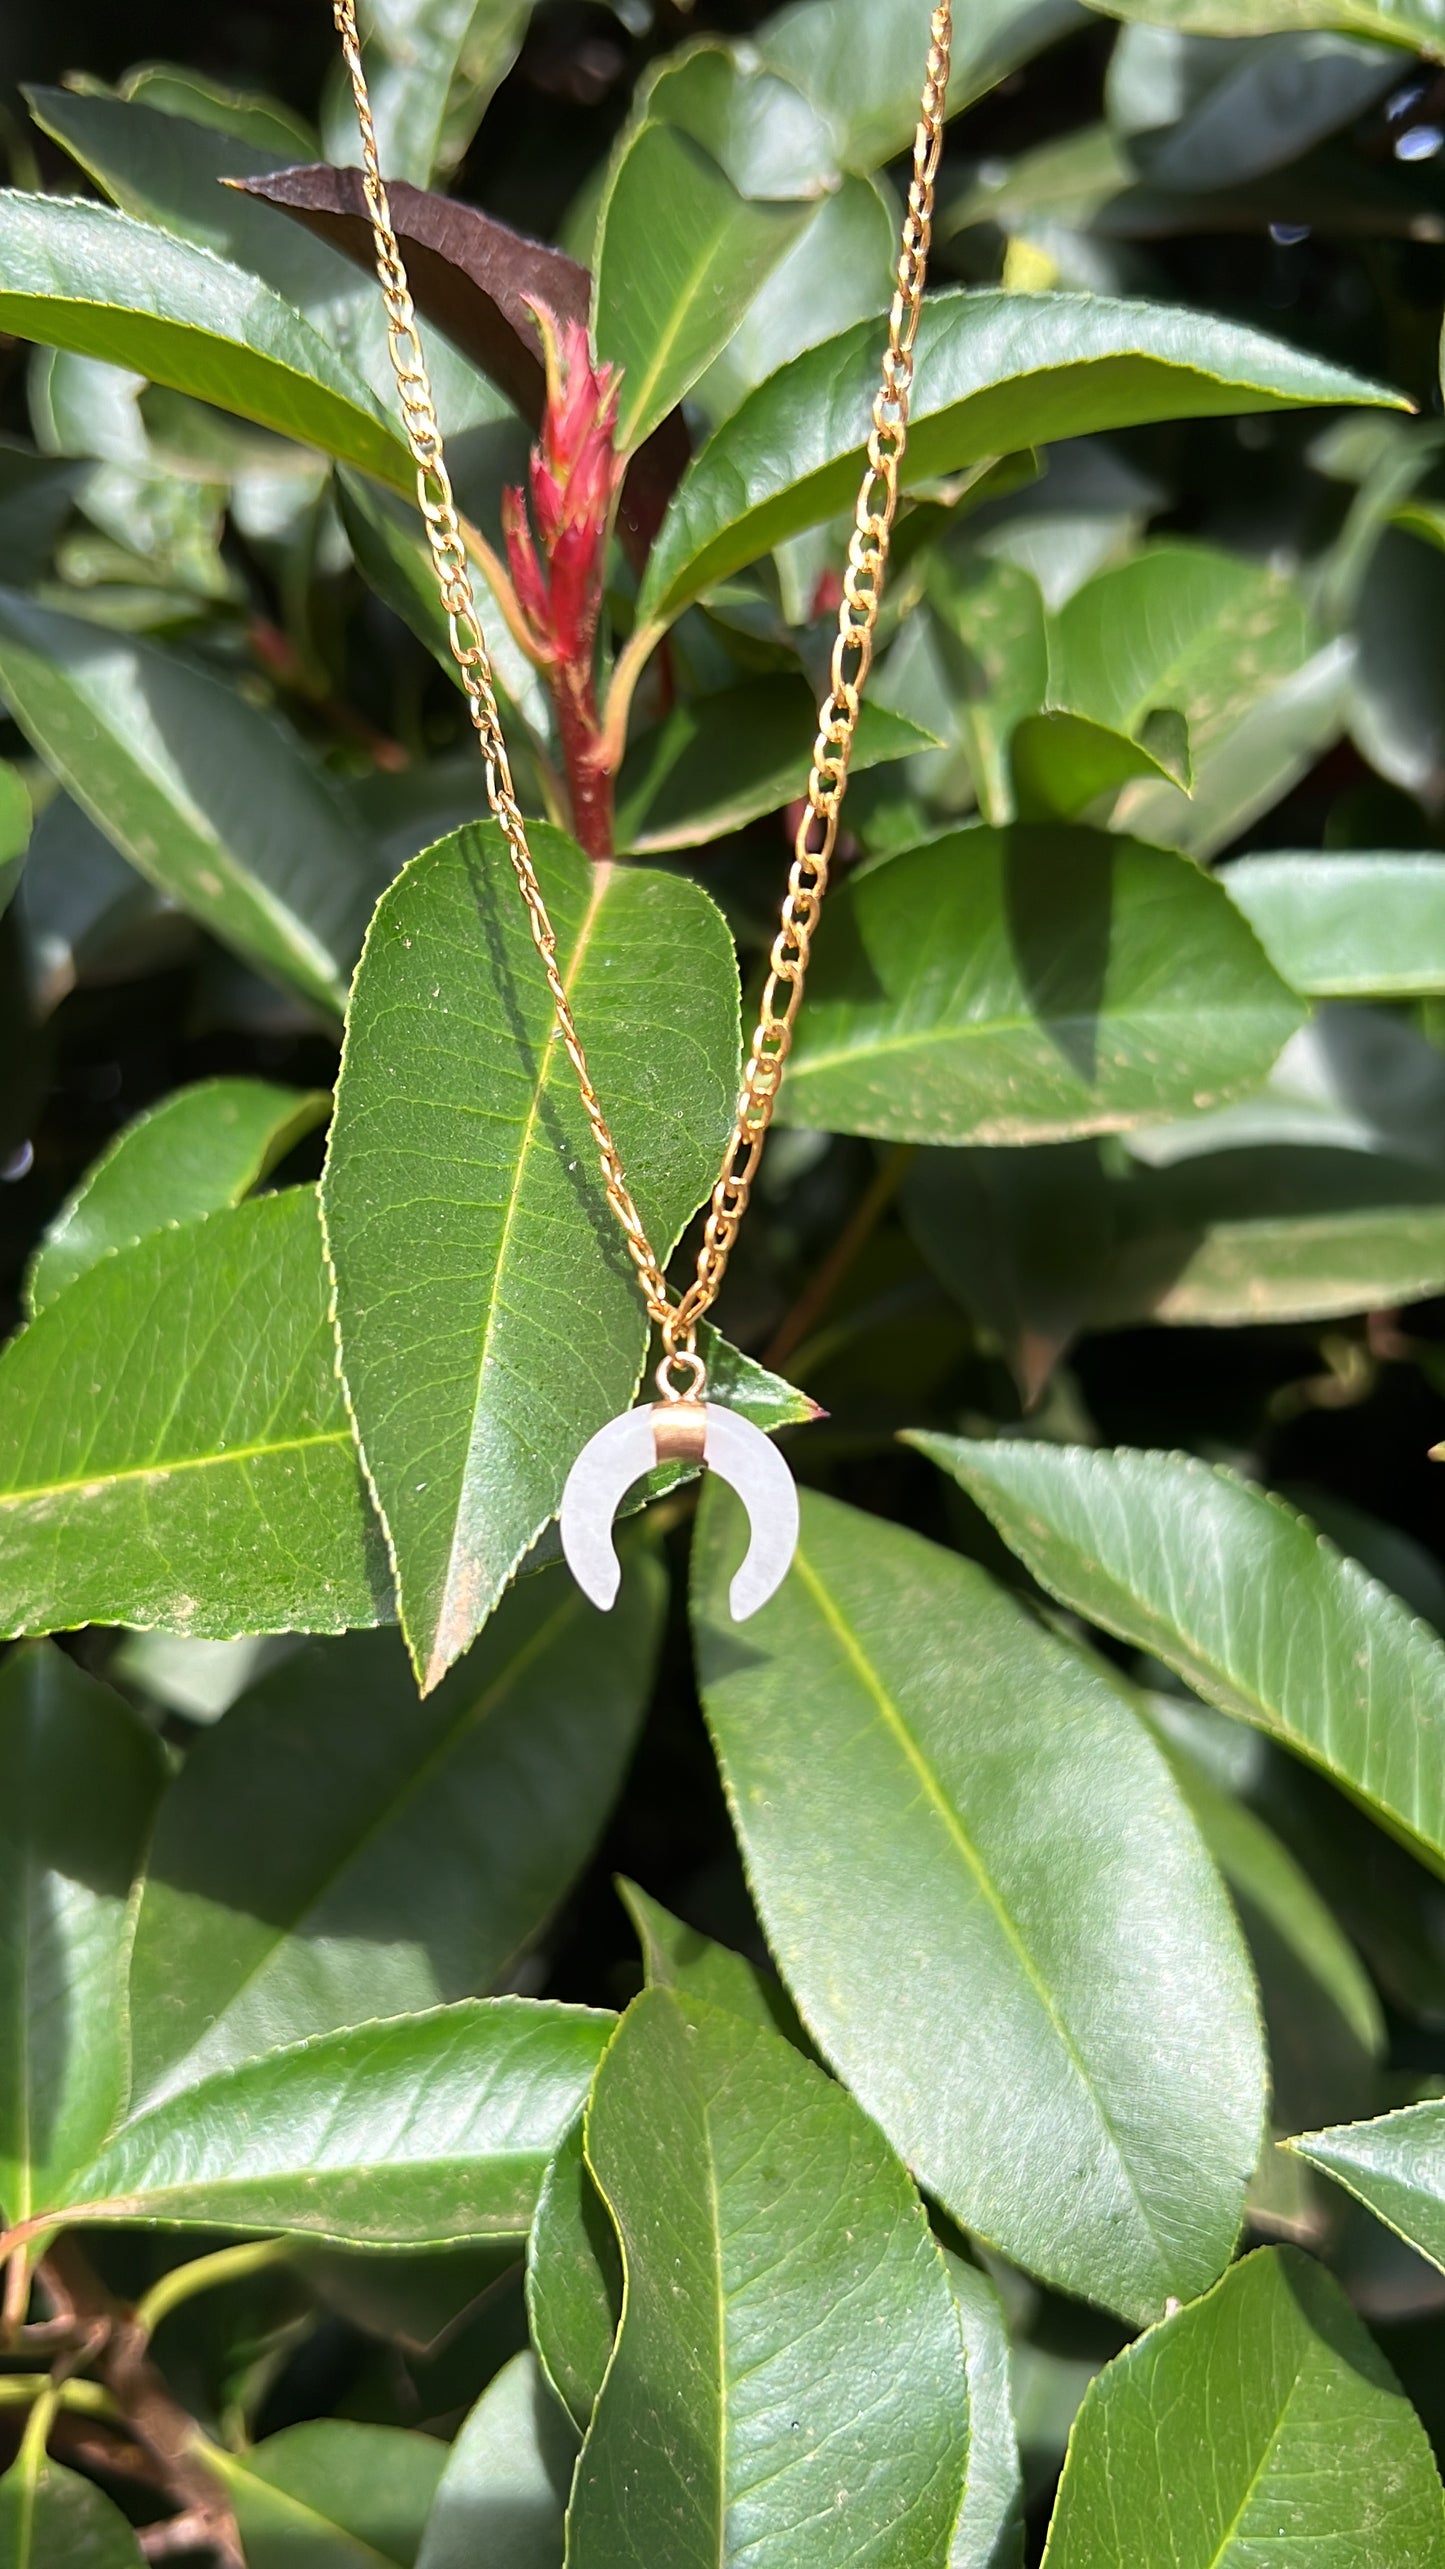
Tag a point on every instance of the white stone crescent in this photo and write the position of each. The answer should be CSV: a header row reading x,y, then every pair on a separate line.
x,y
738,1452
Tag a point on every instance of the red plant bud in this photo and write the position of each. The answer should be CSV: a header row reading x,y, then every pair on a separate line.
x,y
575,476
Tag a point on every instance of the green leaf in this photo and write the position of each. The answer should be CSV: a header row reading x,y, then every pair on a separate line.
x,y
1180,627
861,62
1325,2027
385,534
215,801
678,1957
248,115
1246,771
52,2519
173,171
1396,2166
200,1149
332,1851
81,1776
1260,2424
761,130
680,256
84,277
407,2133
1188,1562
1195,116
15,827
994,653
758,2425
1239,1237
1021,1238
989,2531
333,2495
1347,927
899,1742
490,1320
503,2494
37,494
1065,767
174,1446
1419,25
838,271
574,2281
720,761
434,67
792,456
1030,985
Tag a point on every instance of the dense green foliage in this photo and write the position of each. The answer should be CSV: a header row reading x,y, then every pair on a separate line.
x,y
948,2075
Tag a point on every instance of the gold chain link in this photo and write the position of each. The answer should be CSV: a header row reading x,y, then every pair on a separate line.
x,y
817,834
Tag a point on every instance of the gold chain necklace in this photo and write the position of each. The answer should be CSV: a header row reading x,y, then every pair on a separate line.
x,y
683,1424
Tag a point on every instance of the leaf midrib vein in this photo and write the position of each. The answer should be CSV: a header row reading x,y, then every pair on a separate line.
x,y
540,1086
161,1469
853,1649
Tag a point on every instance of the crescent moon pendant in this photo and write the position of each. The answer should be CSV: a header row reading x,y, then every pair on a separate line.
x,y
634,1444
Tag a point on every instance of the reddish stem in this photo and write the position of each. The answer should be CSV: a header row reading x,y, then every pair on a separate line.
x,y
588,781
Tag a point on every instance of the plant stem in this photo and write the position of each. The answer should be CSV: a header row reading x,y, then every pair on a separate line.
x,y
589,782
203,2274
154,2417
811,1304
90,2398
631,660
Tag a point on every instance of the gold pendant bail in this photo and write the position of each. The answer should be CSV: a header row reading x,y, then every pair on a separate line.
x,y
674,1360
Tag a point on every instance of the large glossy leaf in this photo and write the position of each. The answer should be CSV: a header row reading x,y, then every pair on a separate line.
x,y
174,1446
503,2494
1354,1079
719,761
1261,2424
772,142
996,373
838,271
1270,1234
407,2133
1416,24
201,1149
987,1899
1187,1562
79,1780
471,275
212,799
88,278
1347,927
1028,985
1395,2165
749,2424
1210,117
1180,627
1043,1245
1245,770
52,2519
680,256
332,1851
490,1320
862,63
333,2495
184,177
